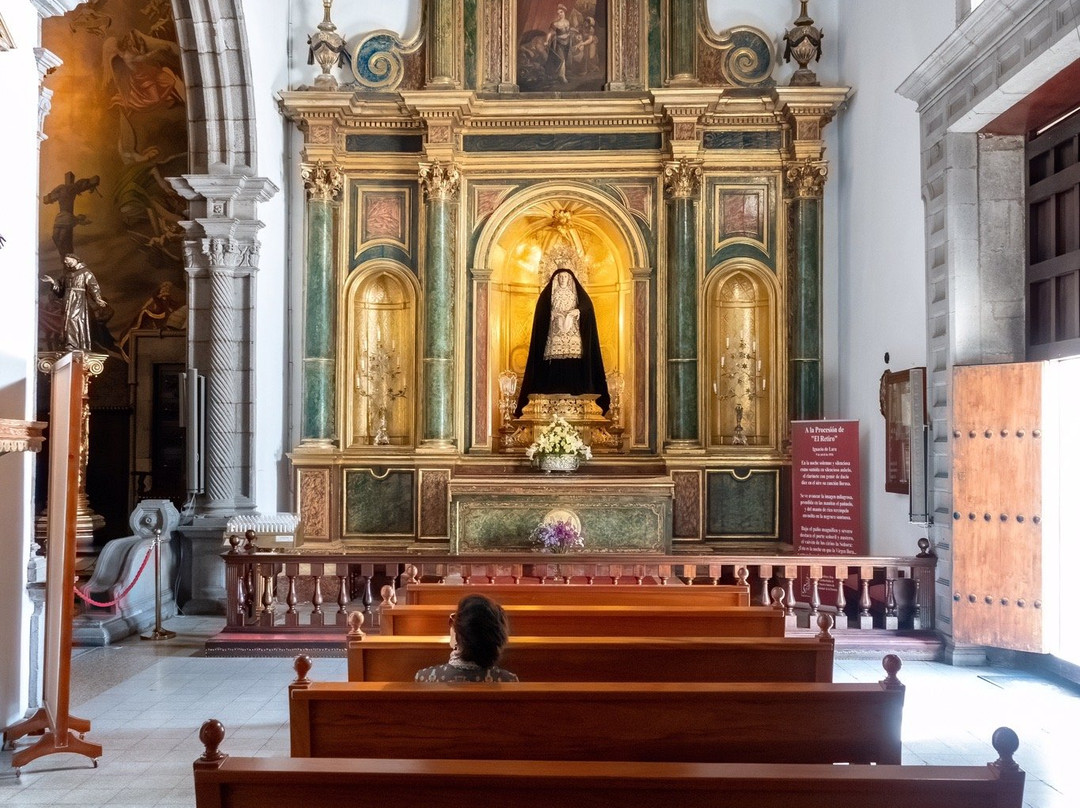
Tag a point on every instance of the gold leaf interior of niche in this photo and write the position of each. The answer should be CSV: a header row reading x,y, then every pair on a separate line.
x,y
519,272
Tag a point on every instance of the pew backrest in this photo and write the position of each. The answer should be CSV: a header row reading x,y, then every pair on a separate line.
x,y
376,658
602,621
239,782
579,594
657,721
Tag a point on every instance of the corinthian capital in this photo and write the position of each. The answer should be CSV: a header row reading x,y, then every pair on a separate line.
x,y
682,178
322,181
440,181
806,180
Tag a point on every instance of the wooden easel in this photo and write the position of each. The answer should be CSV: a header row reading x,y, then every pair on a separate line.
x,y
58,729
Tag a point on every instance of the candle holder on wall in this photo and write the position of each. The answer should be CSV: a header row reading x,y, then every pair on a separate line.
x,y
377,381
740,381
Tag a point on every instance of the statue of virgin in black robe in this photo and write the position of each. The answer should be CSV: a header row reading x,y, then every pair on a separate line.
x,y
564,351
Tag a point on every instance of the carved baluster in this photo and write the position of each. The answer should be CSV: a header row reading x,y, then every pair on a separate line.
x,y
490,570
249,591
892,618
716,572
266,616
616,573
840,573
815,593
466,573
866,621
317,616
639,574
765,572
367,597
916,618
239,586
516,572
790,618
342,615
291,616
590,573
663,574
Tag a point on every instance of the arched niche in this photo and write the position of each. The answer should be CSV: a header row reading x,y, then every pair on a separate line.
x,y
377,370
742,372
526,238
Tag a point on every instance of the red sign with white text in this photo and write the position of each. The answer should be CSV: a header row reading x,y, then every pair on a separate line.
x,y
826,508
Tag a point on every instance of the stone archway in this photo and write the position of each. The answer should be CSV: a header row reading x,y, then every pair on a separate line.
x,y
221,249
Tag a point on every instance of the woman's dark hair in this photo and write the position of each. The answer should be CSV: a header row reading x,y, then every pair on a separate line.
x,y
480,627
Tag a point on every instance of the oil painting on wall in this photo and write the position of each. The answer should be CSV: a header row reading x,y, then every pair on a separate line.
x,y
117,129
562,46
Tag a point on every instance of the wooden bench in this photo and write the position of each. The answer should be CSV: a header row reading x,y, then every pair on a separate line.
x,y
578,594
222,781
376,658
655,721
602,621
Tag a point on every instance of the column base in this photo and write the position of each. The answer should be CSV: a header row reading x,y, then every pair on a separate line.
x,y
438,446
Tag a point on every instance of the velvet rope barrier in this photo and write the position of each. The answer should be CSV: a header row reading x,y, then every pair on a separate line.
x,y
127,589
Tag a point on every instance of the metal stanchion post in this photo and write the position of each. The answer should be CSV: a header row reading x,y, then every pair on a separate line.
x,y
158,633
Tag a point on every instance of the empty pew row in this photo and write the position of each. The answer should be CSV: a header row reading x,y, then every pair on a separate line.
x,y
377,658
601,621
222,781
654,721
573,594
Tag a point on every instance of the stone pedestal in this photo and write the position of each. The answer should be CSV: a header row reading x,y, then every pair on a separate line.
x,y
202,572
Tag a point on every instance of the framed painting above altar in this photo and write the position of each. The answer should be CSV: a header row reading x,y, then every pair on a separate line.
x,y
562,45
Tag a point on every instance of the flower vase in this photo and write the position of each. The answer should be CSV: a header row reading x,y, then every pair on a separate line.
x,y
559,462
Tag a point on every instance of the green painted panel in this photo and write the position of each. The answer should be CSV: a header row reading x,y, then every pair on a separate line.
x,y
742,508
380,505
486,523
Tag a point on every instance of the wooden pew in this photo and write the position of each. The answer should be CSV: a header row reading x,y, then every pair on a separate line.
x,y
607,659
602,621
222,781
578,594
654,721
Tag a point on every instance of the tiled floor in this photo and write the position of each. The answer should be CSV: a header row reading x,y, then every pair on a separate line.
x,y
147,701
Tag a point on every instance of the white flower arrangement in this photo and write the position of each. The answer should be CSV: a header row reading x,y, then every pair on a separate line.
x,y
558,438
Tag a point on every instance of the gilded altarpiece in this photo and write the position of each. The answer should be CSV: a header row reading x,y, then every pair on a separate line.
x,y
681,186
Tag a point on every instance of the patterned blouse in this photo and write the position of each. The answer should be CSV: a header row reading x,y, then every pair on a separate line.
x,y
458,670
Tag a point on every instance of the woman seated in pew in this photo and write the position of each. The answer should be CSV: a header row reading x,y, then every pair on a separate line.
x,y
478,633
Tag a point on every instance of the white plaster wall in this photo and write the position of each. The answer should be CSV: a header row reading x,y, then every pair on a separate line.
x,y
268,38
882,280
18,278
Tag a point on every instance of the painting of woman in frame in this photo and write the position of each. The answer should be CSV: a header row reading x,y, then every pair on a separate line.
x,y
562,45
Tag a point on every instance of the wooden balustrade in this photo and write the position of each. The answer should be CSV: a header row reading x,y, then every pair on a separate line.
x,y
287,592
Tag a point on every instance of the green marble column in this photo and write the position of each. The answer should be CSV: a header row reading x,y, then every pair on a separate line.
x,y
808,180
682,42
323,184
440,184
683,179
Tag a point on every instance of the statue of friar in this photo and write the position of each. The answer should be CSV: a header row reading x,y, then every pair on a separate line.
x,y
79,290
564,351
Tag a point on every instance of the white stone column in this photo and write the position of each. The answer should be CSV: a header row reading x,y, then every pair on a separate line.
x,y
221,258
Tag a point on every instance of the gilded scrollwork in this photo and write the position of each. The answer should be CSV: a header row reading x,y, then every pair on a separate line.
x,y
439,180
806,180
322,181
682,178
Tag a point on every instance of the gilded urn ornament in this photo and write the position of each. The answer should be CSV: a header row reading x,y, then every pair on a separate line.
x,y
803,44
